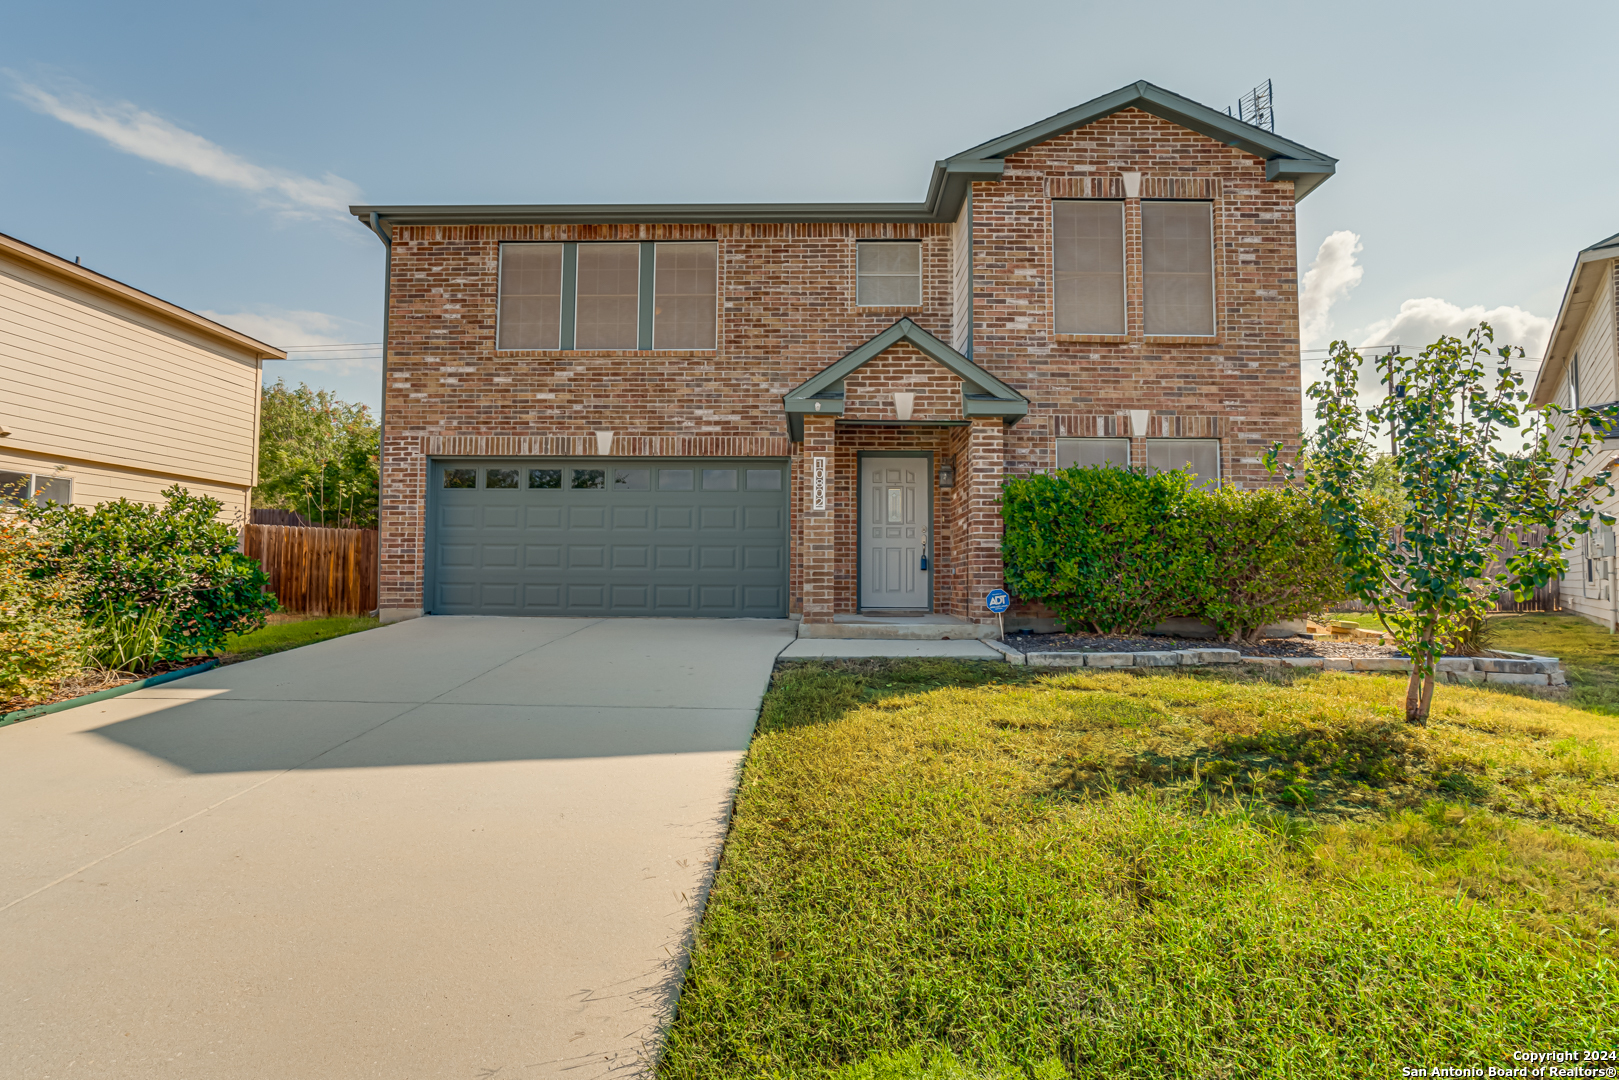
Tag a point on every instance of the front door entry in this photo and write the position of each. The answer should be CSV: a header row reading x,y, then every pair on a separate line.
x,y
896,510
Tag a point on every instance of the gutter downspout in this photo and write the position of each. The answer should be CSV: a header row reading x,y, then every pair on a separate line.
x,y
376,226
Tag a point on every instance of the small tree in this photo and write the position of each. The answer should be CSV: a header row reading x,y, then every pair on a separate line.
x,y
1463,491
317,455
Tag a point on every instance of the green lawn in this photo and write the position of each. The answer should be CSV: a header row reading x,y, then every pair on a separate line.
x,y
280,636
1200,874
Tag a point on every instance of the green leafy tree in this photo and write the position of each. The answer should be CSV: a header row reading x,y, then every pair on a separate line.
x,y
178,558
1462,490
317,455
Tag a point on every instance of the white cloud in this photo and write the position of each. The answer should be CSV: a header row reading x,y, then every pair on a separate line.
x,y
311,334
146,135
1421,322
1329,279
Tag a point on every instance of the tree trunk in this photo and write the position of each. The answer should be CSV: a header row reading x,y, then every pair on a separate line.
x,y
1415,713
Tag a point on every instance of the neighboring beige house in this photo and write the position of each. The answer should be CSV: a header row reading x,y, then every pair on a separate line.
x,y
1581,370
106,391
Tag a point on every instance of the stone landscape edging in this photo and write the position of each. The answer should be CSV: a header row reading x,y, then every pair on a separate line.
x,y
1521,669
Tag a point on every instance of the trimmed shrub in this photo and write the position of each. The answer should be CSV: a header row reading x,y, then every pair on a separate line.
x,y
41,638
1107,549
1268,556
1116,551
178,558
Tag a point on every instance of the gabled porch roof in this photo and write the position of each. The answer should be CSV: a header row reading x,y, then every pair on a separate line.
x,y
982,394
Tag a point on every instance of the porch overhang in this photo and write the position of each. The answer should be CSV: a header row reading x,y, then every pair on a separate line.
x,y
982,394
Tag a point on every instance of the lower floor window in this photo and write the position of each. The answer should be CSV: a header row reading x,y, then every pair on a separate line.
x,y
17,488
1085,453
1199,457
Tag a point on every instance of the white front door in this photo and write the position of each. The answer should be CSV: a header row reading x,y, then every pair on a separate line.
x,y
896,509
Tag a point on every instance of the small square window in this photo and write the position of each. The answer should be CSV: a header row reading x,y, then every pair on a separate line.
x,y
632,479
53,489
460,478
675,479
500,478
764,479
545,478
888,274
719,479
591,479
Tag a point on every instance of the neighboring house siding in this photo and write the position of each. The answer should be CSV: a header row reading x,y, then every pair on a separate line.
x,y
1592,594
125,403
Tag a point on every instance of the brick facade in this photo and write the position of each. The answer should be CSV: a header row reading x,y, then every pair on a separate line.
x,y
787,310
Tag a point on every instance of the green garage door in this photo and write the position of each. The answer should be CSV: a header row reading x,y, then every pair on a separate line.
x,y
671,536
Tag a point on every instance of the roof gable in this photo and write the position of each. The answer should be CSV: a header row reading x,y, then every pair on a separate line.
x,y
982,394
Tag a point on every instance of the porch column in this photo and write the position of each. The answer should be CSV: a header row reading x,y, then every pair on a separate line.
x,y
986,465
818,552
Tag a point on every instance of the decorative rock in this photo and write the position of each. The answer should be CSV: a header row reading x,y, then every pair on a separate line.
x,y
1468,676
1302,661
1382,663
1110,659
1557,679
1264,661
1157,659
1506,667
1337,663
1210,656
1454,663
1524,678
1056,659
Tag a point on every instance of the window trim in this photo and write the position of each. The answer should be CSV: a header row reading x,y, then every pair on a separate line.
x,y
921,277
1214,276
1124,273
646,297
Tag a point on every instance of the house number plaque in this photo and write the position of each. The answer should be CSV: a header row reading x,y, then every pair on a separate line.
x,y
818,483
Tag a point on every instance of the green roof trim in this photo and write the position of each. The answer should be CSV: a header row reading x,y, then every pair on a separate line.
x,y
947,189
982,394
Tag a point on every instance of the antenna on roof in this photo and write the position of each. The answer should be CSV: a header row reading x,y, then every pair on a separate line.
x,y
1255,108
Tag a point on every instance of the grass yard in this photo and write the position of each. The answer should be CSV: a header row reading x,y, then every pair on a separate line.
x,y
291,633
1109,874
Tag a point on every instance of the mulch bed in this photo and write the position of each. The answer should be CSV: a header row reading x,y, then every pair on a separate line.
x,y
1110,643
89,682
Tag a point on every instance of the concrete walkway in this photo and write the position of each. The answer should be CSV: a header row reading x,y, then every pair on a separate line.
x,y
454,847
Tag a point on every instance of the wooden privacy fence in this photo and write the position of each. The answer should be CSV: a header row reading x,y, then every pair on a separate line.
x,y
317,571
1546,598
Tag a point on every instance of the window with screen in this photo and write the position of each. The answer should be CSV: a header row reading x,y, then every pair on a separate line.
x,y
530,296
1177,248
888,273
1088,265
608,305
686,288
1089,453
1199,457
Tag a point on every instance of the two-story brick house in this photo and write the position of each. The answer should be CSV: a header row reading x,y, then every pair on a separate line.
x,y
757,410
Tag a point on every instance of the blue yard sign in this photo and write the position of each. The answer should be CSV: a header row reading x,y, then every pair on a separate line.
x,y
998,600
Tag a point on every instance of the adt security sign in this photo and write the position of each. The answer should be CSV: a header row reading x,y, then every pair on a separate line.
x,y
998,600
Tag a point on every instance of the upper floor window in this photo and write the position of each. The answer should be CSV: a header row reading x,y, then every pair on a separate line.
x,y
1088,260
617,296
888,273
1177,246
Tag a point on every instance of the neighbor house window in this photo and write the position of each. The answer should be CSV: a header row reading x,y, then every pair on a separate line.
x,y
1084,453
888,273
608,302
530,296
686,289
1088,263
1199,457
625,297
1177,244
17,488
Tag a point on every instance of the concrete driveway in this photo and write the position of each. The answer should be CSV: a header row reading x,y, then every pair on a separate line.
x,y
454,847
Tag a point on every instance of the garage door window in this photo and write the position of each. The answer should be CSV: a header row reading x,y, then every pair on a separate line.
x,y
460,478
500,478
632,479
545,478
675,479
719,479
591,479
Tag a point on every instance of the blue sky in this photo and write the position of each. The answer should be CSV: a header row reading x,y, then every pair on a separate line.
x,y
202,152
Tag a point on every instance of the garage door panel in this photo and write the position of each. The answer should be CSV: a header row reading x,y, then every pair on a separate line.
x,y
612,550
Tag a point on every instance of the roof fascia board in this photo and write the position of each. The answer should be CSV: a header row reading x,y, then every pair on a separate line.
x,y
58,267
1564,326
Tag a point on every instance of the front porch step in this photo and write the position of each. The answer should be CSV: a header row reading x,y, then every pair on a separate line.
x,y
900,628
